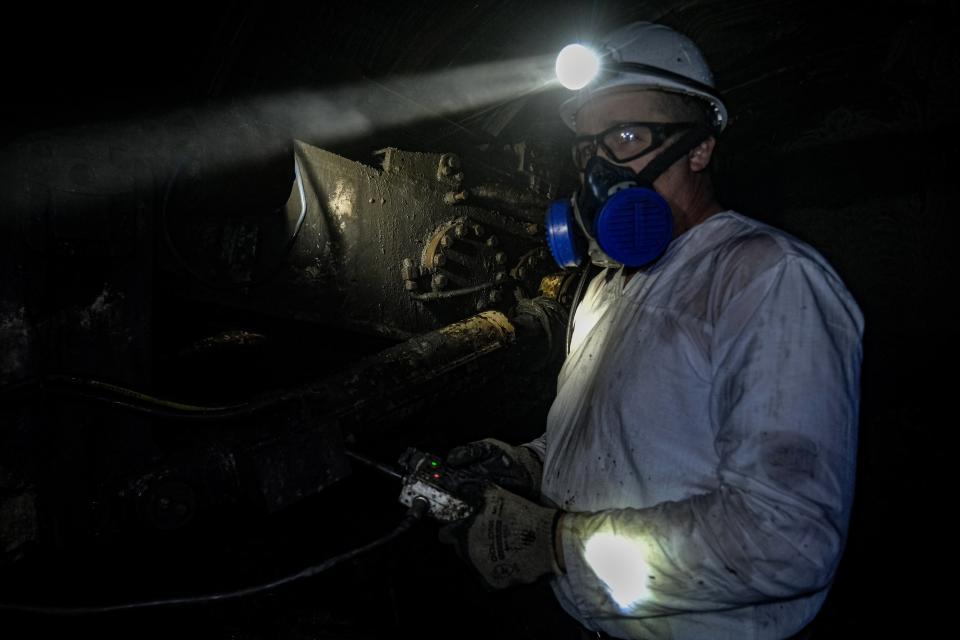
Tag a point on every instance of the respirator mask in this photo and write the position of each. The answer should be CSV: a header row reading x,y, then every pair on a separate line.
x,y
616,217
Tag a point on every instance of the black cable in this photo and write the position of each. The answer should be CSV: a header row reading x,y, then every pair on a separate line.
x,y
158,412
373,464
576,301
143,403
140,396
545,311
453,293
414,513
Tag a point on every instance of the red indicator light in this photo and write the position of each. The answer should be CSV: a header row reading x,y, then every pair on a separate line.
x,y
436,476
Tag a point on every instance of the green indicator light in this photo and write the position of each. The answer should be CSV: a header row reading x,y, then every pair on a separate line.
x,y
434,463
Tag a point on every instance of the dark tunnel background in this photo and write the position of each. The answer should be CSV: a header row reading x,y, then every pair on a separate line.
x,y
844,127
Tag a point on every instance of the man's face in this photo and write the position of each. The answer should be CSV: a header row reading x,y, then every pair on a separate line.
x,y
617,107
642,105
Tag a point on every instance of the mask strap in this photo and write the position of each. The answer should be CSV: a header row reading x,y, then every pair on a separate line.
x,y
576,213
687,143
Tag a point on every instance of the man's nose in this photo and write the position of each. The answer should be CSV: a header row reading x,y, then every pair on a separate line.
x,y
605,155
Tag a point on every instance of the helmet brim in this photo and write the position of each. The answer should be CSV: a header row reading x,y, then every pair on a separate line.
x,y
618,82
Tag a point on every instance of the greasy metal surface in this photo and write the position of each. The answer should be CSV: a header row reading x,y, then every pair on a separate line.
x,y
493,318
234,338
295,449
462,254
383,390
531,268
78,298
551,285
561,287
373,241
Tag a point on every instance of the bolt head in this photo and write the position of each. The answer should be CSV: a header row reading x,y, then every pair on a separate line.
x,y
449,163
409,271
500,258
493,241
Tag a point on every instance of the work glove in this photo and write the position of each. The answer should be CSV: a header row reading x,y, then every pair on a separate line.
x,y
509,540
516,469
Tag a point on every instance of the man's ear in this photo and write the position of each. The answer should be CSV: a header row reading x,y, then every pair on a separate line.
x,y
699,158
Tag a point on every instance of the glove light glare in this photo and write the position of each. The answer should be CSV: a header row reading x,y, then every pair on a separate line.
x,y
622,566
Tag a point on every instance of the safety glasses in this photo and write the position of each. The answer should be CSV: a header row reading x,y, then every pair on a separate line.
x,y
626,141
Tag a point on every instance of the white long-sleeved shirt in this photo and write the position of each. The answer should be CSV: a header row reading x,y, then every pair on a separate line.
x,y
703,438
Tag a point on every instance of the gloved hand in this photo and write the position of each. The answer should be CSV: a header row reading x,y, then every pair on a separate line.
x,y
509,540
516,469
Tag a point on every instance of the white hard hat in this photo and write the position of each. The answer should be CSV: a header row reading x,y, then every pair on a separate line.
x,y
647,55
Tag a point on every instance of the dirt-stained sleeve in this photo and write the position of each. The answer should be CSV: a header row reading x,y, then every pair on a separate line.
x,y
538,446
